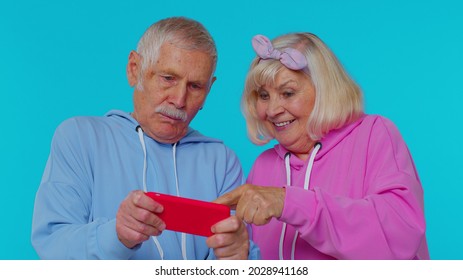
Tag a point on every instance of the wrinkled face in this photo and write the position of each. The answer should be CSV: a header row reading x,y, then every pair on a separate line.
x,y
173,91
285,107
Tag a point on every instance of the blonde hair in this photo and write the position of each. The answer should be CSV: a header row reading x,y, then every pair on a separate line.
x,y
338,99
182,32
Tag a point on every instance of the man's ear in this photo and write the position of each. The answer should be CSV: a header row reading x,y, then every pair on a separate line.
x,y
212,82
210,86
133,68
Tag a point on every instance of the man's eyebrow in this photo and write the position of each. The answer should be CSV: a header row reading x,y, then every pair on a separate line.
x,y
167,72
198,82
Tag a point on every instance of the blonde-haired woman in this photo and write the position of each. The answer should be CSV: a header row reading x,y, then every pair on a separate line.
x,y
340,184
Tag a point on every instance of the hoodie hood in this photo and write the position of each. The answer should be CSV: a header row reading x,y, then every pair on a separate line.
x,y
329,141
192,135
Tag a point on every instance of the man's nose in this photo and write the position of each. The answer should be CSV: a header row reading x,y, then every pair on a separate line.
x,y
178,96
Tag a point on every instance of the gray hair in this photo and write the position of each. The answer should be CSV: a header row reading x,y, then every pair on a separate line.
x,y
182,32
338,99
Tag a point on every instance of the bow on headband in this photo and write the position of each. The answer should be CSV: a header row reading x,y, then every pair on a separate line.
x,y
289,57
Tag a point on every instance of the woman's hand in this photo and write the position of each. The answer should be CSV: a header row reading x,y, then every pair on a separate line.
x,y
254,204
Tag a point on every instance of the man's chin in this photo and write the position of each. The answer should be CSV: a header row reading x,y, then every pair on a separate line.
x,y
169,138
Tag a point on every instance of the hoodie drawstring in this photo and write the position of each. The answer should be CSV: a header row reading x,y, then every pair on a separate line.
x,y
288,182
308,172
174,156
142,142
174,149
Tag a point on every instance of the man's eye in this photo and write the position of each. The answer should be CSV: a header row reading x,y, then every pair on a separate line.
x,y
196,86
168,78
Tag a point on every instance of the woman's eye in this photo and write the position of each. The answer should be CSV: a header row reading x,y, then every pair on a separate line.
x,y
288,93
263,95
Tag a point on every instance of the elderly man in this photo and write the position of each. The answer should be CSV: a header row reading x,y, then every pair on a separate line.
x,y
91,203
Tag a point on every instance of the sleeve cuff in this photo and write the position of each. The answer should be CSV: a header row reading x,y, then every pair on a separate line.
x,y
110,245
299,207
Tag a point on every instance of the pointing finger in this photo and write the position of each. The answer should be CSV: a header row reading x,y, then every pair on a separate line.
x,y
231,198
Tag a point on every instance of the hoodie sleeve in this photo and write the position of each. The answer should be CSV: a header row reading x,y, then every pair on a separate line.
x,y
232,179
61,228
386,223
233,176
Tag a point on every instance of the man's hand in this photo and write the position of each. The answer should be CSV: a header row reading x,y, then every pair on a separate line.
x,y
136,219
230,240
254,204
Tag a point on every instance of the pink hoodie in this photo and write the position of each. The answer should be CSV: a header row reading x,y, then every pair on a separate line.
x,y
364,201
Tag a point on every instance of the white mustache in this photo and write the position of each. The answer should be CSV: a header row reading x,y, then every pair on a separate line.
x,y
172,112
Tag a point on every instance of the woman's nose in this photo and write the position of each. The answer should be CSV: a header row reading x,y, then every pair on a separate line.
x,y
275,107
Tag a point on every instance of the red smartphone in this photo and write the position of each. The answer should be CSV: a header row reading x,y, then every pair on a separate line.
x,y
190,215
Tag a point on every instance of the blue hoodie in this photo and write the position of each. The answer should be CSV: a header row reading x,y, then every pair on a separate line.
x,y
95,162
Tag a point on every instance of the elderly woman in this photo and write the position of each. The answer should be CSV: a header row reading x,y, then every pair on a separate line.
x,y
339,184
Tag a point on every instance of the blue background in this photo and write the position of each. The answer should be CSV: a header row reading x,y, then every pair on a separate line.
x,y
66,58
